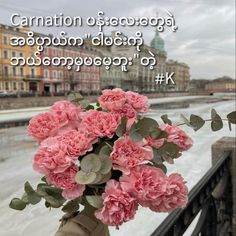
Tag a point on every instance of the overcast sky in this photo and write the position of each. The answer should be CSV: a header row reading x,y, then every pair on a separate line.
x,y
205,38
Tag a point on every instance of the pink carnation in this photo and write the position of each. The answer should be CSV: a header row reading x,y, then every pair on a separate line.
x,y
145,183
175,196
118,205
44,125
68,109
100,123
66,181
137,101
52,159
177,136
112,99
78,142
153,189
74,192
127,153
155,143
128,112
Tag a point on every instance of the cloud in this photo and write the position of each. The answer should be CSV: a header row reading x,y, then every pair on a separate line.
x,y
205,38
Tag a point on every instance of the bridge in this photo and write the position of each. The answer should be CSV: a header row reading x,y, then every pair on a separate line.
x,y
214,197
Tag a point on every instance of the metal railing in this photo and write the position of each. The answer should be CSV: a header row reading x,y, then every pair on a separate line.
x,y
212,196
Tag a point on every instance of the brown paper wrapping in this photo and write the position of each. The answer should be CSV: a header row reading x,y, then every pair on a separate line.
x,y
82,224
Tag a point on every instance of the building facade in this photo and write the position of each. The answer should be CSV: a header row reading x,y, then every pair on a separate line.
x,y
44,79
221,85
138,77
181,75
17,78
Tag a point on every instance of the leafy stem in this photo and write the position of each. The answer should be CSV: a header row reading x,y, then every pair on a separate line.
x,y
206,120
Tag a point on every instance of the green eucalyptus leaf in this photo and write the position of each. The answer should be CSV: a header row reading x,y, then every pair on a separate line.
x,y
74,97
91,163
161,166
155,133
17,204
135,136
85,103
25,198
89,107
34,198
166,120
95,201
185,120
71,206
47,204
71,97
196,122
41,189
105,151
55,203
106,165
53,191
121,129
104,178
145,126
168,159
44,179
157,157
85,178
216,123
28,188
168,152
232,117
163,134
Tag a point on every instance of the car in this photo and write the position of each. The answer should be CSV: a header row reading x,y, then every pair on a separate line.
x,y
5,93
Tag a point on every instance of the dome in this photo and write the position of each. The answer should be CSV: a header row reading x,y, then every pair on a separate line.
x,y
158,43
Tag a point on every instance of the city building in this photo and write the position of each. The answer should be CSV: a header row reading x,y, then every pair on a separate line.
x,y
109,77
44,79
181,75
17,78
197,86
58,79
138,77
223,85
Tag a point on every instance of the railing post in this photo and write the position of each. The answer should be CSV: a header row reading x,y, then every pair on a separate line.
x,y
227,144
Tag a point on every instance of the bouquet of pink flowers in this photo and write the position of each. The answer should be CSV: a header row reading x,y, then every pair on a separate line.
x,y
109,157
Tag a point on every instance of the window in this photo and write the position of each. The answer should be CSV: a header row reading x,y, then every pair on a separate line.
x,y
22,72
54,74
6,71
5,40
14,71
14,86
5,54
32,72
6,86
22,86
46,74
13,54
60,75
21,54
